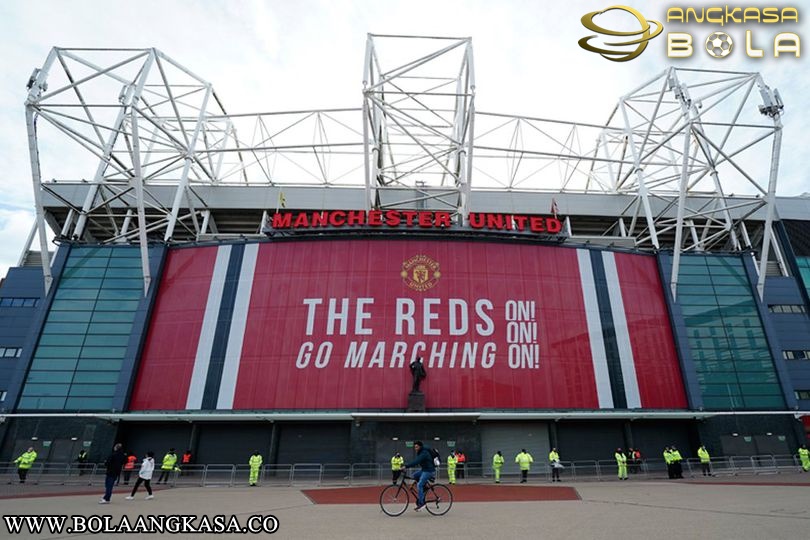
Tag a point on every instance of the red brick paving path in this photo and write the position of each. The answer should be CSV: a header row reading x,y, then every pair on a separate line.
x,y
466,493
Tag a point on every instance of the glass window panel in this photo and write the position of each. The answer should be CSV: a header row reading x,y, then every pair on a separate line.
x,y
84,252
120,294
69,316
136,272
109,377
5,302
17,302
46,389
729,280
114,316
81,283
84,272
762,402
125,253
89,403
117,305
109,328
693,300
104,352
41,403
700,311
61,339
65,328
720,389
761,389
57,352
92,390
44,364
122,283
717,378
125,263
715,366
73,305
30,302
757,377
94,364
76,294
703,320
86,263
694,290
50,377
103,340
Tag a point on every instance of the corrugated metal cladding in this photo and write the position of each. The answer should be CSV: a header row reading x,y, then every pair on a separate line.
x,y
510,438
334,325
314,443
799,235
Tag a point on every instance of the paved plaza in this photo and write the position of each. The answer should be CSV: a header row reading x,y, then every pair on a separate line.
x,y
766,507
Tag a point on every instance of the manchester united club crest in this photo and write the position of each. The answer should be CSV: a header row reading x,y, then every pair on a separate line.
x,y
420,273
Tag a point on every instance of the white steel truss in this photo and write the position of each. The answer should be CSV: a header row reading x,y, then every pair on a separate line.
x,y
158,141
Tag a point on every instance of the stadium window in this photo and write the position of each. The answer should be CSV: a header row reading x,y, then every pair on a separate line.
x,y
802,394
796,355
10,352
19,302
786,308
2,395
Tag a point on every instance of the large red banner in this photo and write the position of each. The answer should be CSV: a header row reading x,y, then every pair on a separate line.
x,y
335,325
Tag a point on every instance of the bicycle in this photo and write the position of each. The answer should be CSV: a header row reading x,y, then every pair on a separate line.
x,y
395,498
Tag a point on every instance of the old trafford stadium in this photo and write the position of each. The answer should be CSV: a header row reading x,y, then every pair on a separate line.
x,y
325,287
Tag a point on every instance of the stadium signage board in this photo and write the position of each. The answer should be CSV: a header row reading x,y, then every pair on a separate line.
x,y
424,219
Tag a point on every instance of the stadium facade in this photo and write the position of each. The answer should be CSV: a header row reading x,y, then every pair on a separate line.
x,y
593,288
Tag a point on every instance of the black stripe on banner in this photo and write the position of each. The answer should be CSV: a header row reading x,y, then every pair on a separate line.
x,y
614,362
223,329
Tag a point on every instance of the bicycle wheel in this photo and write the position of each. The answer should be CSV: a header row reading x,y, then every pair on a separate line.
x,y
394,500
438,500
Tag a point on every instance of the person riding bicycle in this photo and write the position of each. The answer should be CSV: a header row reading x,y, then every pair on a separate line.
x,y
424,459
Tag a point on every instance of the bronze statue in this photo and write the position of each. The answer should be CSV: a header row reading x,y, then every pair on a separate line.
x,y
418,372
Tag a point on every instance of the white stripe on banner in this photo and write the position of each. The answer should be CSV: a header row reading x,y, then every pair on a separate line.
x,y
598,355
236,336
209,326
622,332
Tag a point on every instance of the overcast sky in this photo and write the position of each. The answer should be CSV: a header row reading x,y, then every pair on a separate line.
x,y
282,55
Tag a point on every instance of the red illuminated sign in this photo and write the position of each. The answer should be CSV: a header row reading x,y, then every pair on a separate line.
x,y
412,218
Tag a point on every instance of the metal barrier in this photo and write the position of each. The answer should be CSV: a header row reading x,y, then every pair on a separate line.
x,y
367,473
218,475
307,473
336,474
277,475
346,474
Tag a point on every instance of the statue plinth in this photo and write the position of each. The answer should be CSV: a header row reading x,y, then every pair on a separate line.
x,y
416,402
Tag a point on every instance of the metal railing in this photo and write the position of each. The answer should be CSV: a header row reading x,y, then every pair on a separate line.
x,y
358,474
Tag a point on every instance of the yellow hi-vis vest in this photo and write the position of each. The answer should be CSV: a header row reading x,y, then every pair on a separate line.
x,y
497,461
397,462
703,454
524,459
451,462
255,461
26,460
169,461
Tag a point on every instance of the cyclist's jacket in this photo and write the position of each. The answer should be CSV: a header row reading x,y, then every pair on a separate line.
x,y
423,459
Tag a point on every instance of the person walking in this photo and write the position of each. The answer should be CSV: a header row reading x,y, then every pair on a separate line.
x,y
25,462
554,463
144,477
705,460
114,464
524,460
497,465
677,468
461,463
452,461
81,459
668,461
396,467
804,458
129,466
621,462
255,463
167,466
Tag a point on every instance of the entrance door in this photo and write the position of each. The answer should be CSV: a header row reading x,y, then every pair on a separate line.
x,y
510,438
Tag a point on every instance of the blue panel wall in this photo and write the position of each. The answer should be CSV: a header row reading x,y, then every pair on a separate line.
x,y
21,297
